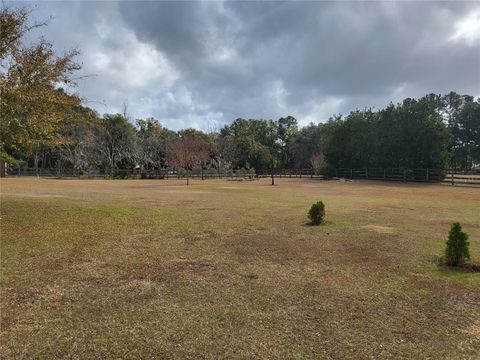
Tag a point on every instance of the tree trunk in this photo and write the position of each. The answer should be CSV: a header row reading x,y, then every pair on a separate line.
x,y
2,168
35,164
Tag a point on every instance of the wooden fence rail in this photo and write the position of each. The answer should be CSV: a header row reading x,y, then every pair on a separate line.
x,y
450,177
166,174
288,173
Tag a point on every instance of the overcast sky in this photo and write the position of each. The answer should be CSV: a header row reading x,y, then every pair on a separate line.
x,y
203,64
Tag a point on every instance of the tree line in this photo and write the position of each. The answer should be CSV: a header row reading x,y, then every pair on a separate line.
x,y
45,124
431,132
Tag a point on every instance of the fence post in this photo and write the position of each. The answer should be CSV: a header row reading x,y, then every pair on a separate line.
x,y
427,177
366,172
404,175
384,174
453,177
351,173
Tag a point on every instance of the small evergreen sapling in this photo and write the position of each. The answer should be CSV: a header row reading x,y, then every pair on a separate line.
x,y
457,251
317,213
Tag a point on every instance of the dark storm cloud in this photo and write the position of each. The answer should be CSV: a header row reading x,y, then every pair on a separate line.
x,y
205,63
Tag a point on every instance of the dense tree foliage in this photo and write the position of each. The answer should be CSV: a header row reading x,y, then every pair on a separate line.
x,y
422,133
32,106
431,132
153,144
190,148
250,143
462,115
305,148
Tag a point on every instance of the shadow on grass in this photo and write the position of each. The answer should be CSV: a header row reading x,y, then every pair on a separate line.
x,y
335,224
462,268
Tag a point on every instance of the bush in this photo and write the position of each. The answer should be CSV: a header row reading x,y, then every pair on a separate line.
x,y
317,213
457,251
328,170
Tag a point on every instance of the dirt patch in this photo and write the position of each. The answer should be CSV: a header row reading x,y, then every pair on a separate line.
x,y
380,229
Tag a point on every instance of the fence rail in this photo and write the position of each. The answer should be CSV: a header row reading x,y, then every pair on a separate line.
x,y
451,176
127,173
288,173
442,176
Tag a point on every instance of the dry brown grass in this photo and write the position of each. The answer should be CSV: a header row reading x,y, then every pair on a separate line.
x,y
156,269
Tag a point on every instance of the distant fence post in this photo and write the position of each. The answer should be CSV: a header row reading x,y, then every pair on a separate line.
x,y
384,174
427,176
366,172
453,177
351,173
404,175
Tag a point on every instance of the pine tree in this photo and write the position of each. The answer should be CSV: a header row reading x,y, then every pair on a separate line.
x,y
317,213
457,246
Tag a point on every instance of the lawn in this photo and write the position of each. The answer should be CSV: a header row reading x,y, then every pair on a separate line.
x,y
95,269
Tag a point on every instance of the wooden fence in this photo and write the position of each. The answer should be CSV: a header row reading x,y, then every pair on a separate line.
x,y
166,174
450,177
288,173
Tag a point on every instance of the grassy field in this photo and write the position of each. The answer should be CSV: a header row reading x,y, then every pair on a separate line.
x,y
155,269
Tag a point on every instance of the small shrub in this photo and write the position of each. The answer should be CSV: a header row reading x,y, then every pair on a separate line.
x,y
317,213
328,170
241,173
457,251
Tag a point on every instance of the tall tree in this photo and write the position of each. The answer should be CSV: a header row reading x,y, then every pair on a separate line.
x,y
32,106
350,142
116,142
254,142
306,147
153,142
287,131
412,135
462,114
191,148
77,145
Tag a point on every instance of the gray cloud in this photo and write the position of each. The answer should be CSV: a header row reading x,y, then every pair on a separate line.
x,y
203,64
